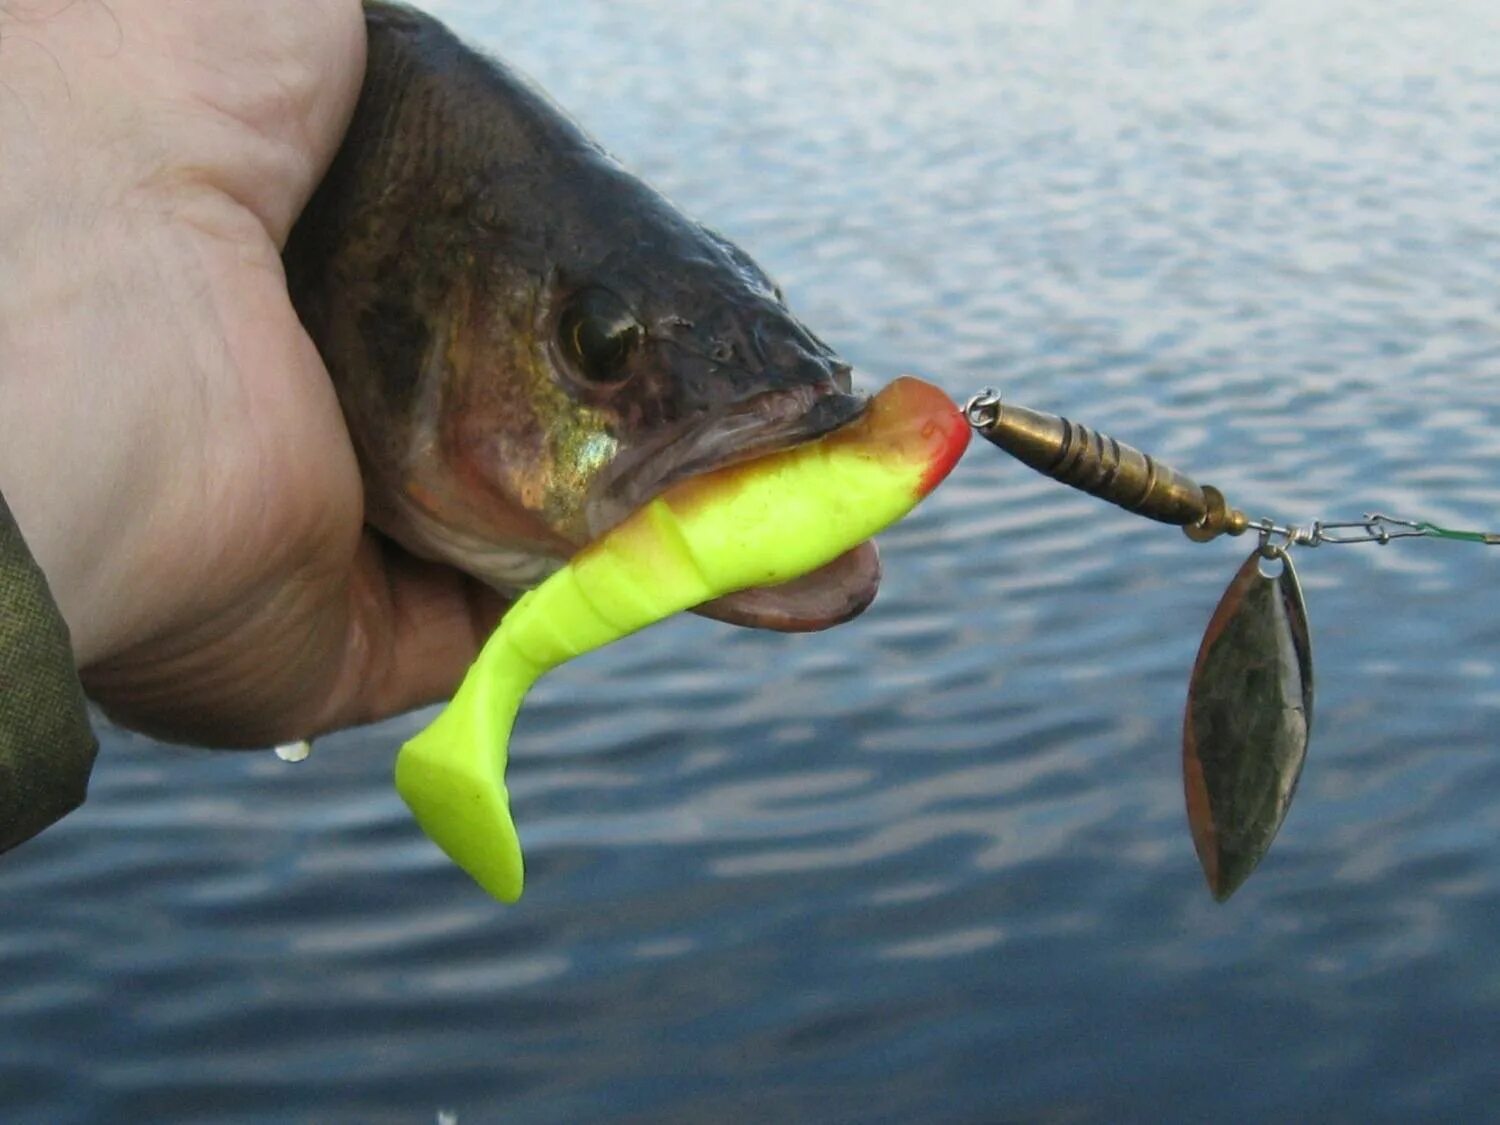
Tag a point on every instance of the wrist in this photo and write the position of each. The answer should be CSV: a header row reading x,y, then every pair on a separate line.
x,y
92,310
152,161
64,436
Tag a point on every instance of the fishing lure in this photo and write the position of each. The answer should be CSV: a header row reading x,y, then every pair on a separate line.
x,y
754,524
1249,707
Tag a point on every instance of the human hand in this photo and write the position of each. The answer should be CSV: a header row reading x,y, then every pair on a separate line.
x,y
170,443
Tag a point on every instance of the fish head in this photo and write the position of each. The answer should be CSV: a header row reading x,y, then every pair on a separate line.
x,y
587,364
528,342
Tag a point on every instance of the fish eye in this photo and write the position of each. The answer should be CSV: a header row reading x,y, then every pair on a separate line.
x,y
598,333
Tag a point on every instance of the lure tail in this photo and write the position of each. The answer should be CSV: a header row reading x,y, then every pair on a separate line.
x,y
452,775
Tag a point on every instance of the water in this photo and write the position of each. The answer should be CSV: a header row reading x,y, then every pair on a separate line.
x,y
932,866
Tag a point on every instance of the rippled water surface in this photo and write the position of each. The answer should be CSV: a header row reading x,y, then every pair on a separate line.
x,y
932,866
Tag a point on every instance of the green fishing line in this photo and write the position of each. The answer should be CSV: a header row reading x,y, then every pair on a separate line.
x,y
1488,538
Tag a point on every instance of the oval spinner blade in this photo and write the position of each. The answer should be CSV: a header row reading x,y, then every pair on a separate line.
x,y
1249,712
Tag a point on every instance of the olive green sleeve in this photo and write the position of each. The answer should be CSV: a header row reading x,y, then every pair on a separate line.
x,y
47,748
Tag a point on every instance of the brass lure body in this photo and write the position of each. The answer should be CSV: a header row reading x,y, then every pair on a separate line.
x,y
1102,466
1248,718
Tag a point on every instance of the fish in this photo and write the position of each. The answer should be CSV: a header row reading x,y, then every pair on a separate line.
x,y
529,343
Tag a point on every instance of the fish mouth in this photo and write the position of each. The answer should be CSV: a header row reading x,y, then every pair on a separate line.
x,y
764,424
821,599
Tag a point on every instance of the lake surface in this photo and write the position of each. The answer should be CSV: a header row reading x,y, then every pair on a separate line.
x,y
932,866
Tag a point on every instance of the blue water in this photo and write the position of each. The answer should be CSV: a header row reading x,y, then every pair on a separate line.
x,y
932,866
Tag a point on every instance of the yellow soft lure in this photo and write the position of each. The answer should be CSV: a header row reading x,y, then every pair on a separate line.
x,y
758,524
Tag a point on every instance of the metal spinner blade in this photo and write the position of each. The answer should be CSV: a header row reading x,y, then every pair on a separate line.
x,y
1249,713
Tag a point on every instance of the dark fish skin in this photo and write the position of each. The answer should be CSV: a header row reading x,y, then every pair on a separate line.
x,y
458,268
